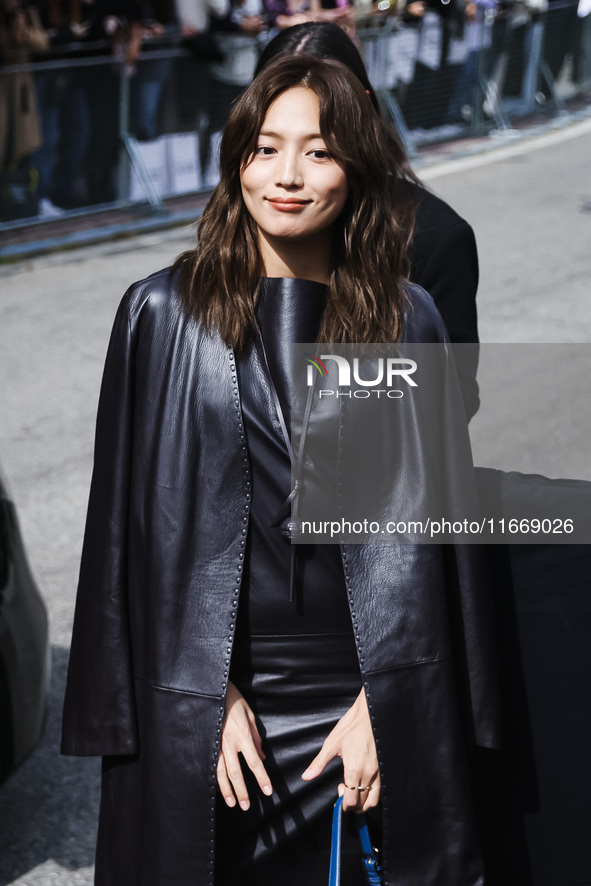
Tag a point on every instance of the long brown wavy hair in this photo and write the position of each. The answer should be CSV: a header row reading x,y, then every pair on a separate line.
x,y
366,289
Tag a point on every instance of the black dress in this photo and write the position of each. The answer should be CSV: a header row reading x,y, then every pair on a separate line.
x,y
295,662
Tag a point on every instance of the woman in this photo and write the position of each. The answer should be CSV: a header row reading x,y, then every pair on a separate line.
x,y
21,36
441,245
357,680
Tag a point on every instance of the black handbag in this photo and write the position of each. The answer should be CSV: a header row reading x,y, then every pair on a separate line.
x,y
370,861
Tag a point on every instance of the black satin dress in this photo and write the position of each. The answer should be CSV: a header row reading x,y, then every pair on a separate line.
x,y
295,662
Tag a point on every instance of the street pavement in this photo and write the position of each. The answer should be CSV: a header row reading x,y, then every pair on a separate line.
x,y
530,206
531,211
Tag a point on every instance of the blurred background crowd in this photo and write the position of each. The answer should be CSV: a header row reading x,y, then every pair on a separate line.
x,y
84,83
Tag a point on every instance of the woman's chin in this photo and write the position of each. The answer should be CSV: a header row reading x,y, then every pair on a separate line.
x,y
290,233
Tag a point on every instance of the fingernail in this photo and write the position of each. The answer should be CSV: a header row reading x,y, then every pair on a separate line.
x,y
230,801
244,804
309,773
268,790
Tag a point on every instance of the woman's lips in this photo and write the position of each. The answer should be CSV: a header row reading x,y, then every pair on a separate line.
x,y
287,204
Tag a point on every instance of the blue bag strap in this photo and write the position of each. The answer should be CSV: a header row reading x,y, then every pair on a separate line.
x,y
334,872
370,862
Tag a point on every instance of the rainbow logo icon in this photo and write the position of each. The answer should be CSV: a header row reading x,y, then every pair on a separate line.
x,y
317,362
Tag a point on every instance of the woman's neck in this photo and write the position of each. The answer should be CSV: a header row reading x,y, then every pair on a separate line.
x,y
304,259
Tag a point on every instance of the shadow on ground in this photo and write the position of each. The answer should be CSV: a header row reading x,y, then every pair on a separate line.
x,y
49,808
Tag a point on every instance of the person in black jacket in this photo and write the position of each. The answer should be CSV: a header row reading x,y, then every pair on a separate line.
x,y
232,695
441,246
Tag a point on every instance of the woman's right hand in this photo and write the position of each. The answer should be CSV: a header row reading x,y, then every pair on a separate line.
x,y
240,736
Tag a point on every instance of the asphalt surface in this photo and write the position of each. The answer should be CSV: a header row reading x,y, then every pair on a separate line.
x,y
531,211
530,206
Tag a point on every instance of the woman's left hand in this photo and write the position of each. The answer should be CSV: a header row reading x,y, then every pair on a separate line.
x,y
352,740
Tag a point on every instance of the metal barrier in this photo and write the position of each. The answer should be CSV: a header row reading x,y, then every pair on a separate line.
x,y
111,136
107,136
440,77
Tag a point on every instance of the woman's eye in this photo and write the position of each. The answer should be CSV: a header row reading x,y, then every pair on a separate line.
x,y
264,151
320,154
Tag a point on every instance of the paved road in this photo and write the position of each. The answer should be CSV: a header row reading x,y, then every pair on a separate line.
x,y
532,215
530,206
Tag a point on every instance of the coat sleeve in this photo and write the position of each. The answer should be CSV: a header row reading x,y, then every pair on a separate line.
x,y
474,620
469,595
468,580
99,712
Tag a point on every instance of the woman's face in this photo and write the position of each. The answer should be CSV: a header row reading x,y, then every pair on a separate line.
x,y
292,187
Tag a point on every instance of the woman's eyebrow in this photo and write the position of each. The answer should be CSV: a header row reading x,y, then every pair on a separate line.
x,y
266,133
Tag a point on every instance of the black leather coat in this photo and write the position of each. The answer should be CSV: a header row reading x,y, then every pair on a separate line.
x,y
156,614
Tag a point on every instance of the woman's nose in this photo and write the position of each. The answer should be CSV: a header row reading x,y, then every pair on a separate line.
x,y
289,171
